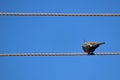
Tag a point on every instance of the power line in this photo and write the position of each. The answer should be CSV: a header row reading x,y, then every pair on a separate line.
x,y
58,54
58,14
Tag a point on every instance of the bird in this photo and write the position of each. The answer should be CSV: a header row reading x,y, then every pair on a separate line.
x,y
89,47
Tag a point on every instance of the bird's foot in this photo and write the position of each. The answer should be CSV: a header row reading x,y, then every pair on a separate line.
x,y
91,53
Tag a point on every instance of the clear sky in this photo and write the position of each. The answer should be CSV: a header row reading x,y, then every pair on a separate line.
x,y
59,34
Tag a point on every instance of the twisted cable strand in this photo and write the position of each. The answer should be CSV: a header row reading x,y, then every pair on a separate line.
x,y
58,54
58,14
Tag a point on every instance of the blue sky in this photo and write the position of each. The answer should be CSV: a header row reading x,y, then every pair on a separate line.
x,y
59,34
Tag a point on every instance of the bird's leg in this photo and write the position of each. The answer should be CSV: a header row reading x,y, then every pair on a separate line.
x,y
91,53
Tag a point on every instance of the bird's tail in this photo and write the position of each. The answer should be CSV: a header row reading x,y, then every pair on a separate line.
x,y
101,43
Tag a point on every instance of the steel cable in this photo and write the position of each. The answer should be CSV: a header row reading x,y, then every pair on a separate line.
x,y
58,14
58,54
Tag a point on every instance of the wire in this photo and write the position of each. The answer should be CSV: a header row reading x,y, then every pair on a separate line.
x,y
58,14
58,54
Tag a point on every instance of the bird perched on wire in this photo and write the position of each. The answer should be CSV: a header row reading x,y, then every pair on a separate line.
x,y
89,47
